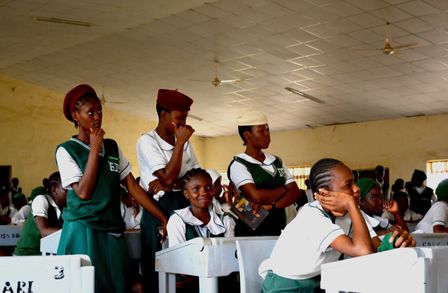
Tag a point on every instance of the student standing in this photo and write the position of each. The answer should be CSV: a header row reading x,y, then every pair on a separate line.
x,y
92,169
262,178
164,155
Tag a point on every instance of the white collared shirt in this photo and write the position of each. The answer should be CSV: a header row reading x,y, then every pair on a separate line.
x,y
154,153
240,176
177,229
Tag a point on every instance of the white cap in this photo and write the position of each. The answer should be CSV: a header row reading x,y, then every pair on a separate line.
x,y
252,118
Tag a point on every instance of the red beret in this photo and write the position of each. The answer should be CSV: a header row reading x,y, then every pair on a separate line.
x,y
173,100
73,96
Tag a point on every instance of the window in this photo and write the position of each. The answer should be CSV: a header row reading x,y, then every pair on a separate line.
x,y
300,173
436,171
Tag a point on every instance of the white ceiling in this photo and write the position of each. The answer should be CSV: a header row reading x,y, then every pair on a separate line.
x,y
135,47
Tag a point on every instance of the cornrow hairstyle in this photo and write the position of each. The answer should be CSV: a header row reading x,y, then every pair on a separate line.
x,y
84,98
241,130
193,173
54,179
321,173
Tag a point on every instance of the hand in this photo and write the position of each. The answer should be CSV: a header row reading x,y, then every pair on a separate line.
x,y
155,186
403,238
96,138
183,132
338,203
391,206
230,194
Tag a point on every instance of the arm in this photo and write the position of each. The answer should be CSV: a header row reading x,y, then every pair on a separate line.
x,y
440,229
360,243
86,184
43,227
392,207
142,198
168,175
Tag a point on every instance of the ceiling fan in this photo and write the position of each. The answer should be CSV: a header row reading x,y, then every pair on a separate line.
x,y
388,48
105,101
217,81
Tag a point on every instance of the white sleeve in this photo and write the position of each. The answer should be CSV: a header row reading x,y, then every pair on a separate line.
x,y
39,206
194,161
288,175
440,214
68,168
21,215
150,159
125,166
176,230
239,174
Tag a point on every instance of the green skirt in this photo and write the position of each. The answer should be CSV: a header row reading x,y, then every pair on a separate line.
x,y
108,254
275,284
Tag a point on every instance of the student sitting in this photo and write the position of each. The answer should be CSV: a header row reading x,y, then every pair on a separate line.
x,y
372,203
436,219
45,217
401,198
323,230
5,207
197,220
22,209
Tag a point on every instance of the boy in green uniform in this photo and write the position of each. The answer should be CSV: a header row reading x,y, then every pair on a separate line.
x,y
45,217
92,169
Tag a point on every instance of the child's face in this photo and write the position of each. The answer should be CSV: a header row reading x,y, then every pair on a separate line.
x,y
373,202
89,114
199,191
342,181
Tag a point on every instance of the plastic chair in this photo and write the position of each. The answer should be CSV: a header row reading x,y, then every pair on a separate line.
x,y
251,252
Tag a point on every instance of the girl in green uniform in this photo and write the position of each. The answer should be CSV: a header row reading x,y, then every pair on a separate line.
x,y
92,169
44,218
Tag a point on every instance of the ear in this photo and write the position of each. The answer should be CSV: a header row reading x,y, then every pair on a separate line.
x,y
75,115
186,194
247,134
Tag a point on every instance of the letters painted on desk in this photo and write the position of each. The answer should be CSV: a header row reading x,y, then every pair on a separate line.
x,y
22,287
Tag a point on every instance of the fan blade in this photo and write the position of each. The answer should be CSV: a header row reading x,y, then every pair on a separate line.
x,y
231,80
405,46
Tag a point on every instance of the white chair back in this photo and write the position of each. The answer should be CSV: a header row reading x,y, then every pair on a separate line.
x,y
251,252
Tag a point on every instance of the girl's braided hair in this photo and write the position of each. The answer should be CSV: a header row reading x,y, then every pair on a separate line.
x,y
193,173
321,175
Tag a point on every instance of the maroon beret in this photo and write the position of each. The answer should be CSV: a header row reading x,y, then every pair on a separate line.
x,y
173,100
73,96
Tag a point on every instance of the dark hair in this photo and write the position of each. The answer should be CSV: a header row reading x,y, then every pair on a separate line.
x,y
321,175
242,129
193,173
399,194
82,99
159,109
54,179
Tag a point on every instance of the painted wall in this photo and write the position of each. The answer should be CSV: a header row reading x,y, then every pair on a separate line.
x,y
400,144
32,125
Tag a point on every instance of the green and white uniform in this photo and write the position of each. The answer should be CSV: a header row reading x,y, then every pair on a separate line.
x,y
304,245
269,174
42,206
94,226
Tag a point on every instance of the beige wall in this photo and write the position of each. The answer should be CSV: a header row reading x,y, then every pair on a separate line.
x,y
32,125
400,144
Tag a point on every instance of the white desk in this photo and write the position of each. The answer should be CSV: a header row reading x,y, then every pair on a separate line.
x,y
421,270
42,274
49,244
9,234
207,258
430,239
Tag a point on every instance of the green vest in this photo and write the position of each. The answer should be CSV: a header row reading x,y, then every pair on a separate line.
x,y
102,210
276,220
29,242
